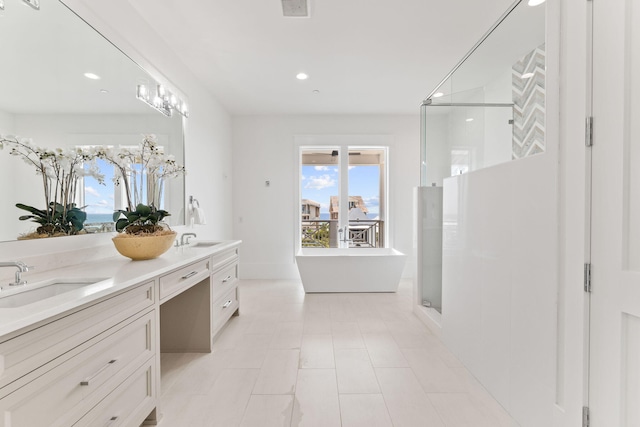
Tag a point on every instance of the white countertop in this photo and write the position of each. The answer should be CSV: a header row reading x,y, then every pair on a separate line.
x,y
120,273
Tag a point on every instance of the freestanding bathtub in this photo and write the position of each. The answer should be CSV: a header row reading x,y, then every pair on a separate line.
x,y
350,269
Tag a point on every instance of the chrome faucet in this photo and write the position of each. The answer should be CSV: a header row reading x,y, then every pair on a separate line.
x,y
184,241
21,266
344,237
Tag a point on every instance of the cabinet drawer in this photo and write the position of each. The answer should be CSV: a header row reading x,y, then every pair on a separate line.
x,y
223,308
219,260
183,278
127,405
224,279
60,396
27,352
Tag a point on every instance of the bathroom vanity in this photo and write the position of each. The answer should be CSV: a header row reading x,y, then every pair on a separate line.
x,y
90,356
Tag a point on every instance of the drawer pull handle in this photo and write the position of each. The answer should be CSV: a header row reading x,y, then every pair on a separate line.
x,y
193,273
92,377
226,279
227,304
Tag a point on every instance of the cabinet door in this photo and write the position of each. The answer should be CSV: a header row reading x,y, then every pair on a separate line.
x,y
68,391
23,355
223,308
223,280
127,405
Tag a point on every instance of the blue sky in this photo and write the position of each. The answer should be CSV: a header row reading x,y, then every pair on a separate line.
x,y
319,183
100,198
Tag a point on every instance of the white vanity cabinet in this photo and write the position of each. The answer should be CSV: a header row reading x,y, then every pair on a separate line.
x,y
196,301
64,368
97,361
224,289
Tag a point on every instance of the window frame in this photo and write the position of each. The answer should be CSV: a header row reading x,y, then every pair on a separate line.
x,y
344,143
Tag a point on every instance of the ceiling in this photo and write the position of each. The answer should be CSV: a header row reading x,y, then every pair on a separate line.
x,y
362,56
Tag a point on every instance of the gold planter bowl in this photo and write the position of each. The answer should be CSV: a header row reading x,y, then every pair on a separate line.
x,y
143,247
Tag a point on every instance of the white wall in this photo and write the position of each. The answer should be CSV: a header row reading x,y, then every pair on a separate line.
x,y
263,149
500,282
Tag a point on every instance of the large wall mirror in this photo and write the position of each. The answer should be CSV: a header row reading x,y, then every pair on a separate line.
x,y
45,95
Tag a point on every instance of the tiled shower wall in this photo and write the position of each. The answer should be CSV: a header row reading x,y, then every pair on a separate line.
x,y
529,104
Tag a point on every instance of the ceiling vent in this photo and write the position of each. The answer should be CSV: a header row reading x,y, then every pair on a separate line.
x,y
299,8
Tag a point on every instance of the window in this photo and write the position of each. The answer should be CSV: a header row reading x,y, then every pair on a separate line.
x,y
342,196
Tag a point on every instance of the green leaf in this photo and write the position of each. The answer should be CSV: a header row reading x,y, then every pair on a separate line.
x,y
121,224
38,212
143,210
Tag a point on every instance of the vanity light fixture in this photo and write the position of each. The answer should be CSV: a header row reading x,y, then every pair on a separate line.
x,y
535,2
33,3
92,76
162,100
302,76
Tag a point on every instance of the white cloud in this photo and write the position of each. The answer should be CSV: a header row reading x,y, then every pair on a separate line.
x,y
92,191
302,178
321,168
372,203
320,182
102,203
373,199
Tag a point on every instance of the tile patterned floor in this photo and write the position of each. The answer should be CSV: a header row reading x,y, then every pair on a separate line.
x,y
324,360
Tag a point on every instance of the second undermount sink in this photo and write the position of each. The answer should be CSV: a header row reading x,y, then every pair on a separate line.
x,y
204,244
28,294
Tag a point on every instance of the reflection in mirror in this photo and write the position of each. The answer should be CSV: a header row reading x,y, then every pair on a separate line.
x,y
66,87
491,108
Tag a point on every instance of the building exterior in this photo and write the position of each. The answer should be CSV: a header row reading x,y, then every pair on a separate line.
x,y
354,202
310,210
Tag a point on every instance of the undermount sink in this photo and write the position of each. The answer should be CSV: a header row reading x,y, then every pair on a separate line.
x,y
204,244
28,294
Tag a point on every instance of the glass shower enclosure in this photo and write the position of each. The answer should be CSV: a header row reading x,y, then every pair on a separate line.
x,y
490,109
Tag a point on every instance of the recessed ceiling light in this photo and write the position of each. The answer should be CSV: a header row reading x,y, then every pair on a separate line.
x,y
470,119
527,75
104,91
302,76
437,95
92,76
535,2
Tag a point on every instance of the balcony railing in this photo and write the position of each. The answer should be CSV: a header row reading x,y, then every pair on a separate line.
x,y
323,233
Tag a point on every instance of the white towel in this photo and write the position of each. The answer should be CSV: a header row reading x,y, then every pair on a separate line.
x,y
198,216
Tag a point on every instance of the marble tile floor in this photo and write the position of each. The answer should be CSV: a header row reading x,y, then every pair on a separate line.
x,y
324,360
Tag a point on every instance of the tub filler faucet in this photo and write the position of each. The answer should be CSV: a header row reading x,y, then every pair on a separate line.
x,y
22,268
344,235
